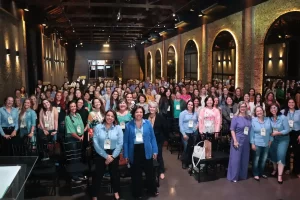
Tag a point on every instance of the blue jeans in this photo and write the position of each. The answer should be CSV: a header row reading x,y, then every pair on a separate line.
x,y
260,156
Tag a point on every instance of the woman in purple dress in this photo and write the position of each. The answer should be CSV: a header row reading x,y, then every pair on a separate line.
x,y
240,144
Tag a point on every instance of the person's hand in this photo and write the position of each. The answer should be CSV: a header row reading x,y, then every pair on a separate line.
x,y
81,138
298,139
275,133
216,135
13,134
7,137
235,144
86,108
201,133
53,133
253,147
109,159
46,132
155,156
30,135
185,137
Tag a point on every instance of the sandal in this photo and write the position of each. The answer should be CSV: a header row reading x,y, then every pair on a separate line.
x,y
273,174
280,182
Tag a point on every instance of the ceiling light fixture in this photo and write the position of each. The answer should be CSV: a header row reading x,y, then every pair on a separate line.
x,y
44,24
181,24
174,14
106,45
200,15
26,9
192,10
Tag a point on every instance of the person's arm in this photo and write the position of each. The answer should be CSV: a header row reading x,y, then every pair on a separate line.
x,y
152,139
126,141
201,121
55,119
70,129
252,134
1,129
225,114
119,142
33,121
217,120
181,117
232,129
98,148
107,105
16,120
286,126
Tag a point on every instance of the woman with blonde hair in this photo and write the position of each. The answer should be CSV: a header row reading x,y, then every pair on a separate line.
x,y
239,149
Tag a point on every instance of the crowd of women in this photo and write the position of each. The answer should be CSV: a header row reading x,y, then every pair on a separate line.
x,y
134,120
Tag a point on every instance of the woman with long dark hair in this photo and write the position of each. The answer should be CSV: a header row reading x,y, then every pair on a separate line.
x,y
112,102
108,142
60,105
293,114
48,122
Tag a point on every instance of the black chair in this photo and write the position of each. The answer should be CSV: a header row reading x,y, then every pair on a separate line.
x,y
45,169
174,142
73,164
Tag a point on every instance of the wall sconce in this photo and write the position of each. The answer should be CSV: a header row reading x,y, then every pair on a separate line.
x,y
8,52
17,53
280,58
270,58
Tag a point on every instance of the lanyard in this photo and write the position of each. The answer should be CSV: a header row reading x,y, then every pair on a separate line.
x,y
274,125
291,116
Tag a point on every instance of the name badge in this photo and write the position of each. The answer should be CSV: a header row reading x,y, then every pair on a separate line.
x,y
177,107
275,130
139,137
291,123
122,124
246,130
231,115
10,120
169,108
47,125
22,125
191,124
107,144
78,129
263,132
58,109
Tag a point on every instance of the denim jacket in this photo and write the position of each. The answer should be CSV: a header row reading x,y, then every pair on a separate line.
x,y
30,119
4,119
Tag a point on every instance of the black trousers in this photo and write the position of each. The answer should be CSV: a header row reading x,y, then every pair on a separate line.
x,y
296,150
113,169
6,144
139,164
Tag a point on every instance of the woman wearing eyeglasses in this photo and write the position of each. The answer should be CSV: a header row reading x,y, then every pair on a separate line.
x,y
280,126
239,148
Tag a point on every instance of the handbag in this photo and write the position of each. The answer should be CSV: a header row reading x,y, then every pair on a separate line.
x,y
208,147
199,152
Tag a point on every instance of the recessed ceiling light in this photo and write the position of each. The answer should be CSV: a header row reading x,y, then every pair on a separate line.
x,y
26,9
94,25
192,10
103,30
200,15
175,19
164,26
158,25
174,14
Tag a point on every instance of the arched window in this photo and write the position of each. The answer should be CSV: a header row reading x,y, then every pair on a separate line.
x,y
281,56
190,61
149,64
158,64
171,63
224,57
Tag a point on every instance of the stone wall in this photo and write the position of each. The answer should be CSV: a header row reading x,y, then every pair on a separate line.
x,y
248,27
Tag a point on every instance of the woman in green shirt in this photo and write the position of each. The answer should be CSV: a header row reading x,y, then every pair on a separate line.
x,y
123,114
75,133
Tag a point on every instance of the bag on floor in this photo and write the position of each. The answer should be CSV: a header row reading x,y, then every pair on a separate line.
x,y
208,148
199,153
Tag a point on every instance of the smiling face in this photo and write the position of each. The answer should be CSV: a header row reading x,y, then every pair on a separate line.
x,y
209,102
196,102
246,97
73,107
46,104
129,98
109,117
58,96
291,104
27,104
33,99
243,108
9,102
79,104
259,112
97,103
138,115
115,95
229,101
122,105
152,109
273,110
190,106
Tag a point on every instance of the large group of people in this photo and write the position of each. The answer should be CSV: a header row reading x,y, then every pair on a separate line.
x,y
133,120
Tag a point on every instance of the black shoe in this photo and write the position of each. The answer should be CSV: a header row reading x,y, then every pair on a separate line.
x,y
280,182
76,180
82,178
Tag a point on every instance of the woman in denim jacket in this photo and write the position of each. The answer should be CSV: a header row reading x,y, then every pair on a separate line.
x,y
27,119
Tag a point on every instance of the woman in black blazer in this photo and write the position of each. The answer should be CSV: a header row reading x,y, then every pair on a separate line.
x,y
228,111
160,127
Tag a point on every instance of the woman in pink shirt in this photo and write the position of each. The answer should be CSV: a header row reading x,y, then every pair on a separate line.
x,y
184,96
210,121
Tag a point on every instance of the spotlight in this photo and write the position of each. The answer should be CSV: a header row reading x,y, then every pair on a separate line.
x,y
174,14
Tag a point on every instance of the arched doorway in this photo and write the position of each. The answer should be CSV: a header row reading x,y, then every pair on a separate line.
x,y
281,56
149,65
171,63
190,61
158,64
224,57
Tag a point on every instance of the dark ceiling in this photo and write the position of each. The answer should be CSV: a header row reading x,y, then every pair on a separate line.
x,y
125,22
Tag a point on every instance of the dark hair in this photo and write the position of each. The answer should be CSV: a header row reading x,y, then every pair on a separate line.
x,y
198,98
102,108
6,98
286,110
261,99
230,98
141,95
112,101
135,108
278,110
206,99
120,101
87,92
253,90
192,103
116,122
44,109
